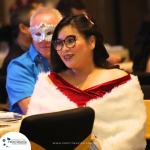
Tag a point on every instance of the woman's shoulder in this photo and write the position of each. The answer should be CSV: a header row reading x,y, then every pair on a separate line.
x,y
116,73
112,74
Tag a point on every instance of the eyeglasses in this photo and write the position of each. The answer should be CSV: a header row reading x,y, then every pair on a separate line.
x,y
69,41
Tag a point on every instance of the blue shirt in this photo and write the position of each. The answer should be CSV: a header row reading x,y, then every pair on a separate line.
x,y
22,74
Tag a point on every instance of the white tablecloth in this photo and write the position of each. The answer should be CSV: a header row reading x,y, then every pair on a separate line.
x,y
14,127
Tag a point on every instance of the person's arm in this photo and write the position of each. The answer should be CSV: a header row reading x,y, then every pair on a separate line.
x,y
20,84
114,59
23,104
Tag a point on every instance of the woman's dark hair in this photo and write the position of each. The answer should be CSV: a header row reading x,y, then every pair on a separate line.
x,y
87,29
141,48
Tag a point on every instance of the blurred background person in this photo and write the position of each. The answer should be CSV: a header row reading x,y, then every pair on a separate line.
x,y
67,7
19,43
21,37
141,48
15,39
5,30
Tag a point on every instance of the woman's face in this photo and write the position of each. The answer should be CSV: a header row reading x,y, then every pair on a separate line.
x,y
81,54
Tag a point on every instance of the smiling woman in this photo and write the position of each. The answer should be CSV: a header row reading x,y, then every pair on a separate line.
x,y
81,76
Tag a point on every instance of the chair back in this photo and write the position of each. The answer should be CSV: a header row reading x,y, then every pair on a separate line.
x,y
59,130
3,92
144,77
146,91
147,104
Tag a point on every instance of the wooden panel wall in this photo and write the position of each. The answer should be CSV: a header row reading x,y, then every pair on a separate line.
x,y
132,13
101,12
118,19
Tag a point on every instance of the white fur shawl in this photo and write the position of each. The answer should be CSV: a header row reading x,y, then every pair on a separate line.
x,y
120,116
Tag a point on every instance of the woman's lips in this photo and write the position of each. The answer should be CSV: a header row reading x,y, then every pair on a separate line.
x,y
68,57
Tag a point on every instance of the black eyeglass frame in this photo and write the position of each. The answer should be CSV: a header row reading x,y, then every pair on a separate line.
x,y
63,42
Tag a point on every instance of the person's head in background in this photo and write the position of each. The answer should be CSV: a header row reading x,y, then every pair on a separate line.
x,y
20,23
42,25
82,40
67,7
18,3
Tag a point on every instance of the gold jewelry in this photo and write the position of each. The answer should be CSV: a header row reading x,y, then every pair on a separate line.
x,y
78,85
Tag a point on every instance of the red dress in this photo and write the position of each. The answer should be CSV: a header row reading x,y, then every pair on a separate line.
x,y
81,97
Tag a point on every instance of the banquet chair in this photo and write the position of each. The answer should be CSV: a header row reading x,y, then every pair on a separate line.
x,y
146,91
3,92
144,77
4,105
147,104
66,130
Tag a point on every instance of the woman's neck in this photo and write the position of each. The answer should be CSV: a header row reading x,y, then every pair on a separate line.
x,y
83,78
84,72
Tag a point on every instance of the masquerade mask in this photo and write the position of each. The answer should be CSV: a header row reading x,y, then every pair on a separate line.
x,y
42,32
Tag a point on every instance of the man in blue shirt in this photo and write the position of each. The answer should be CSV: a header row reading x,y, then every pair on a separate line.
x,y
22,72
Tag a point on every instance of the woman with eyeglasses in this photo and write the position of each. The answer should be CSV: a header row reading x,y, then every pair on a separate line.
x,y
82,77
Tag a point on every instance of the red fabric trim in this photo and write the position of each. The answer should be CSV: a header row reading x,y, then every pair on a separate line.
x,y
81,97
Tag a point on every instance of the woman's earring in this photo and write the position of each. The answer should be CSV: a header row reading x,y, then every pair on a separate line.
x,y
93,47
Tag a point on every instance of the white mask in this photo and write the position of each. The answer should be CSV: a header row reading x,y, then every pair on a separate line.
x,y
42,32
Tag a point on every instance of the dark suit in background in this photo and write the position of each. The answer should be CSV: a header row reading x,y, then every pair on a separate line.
x,y
15,51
